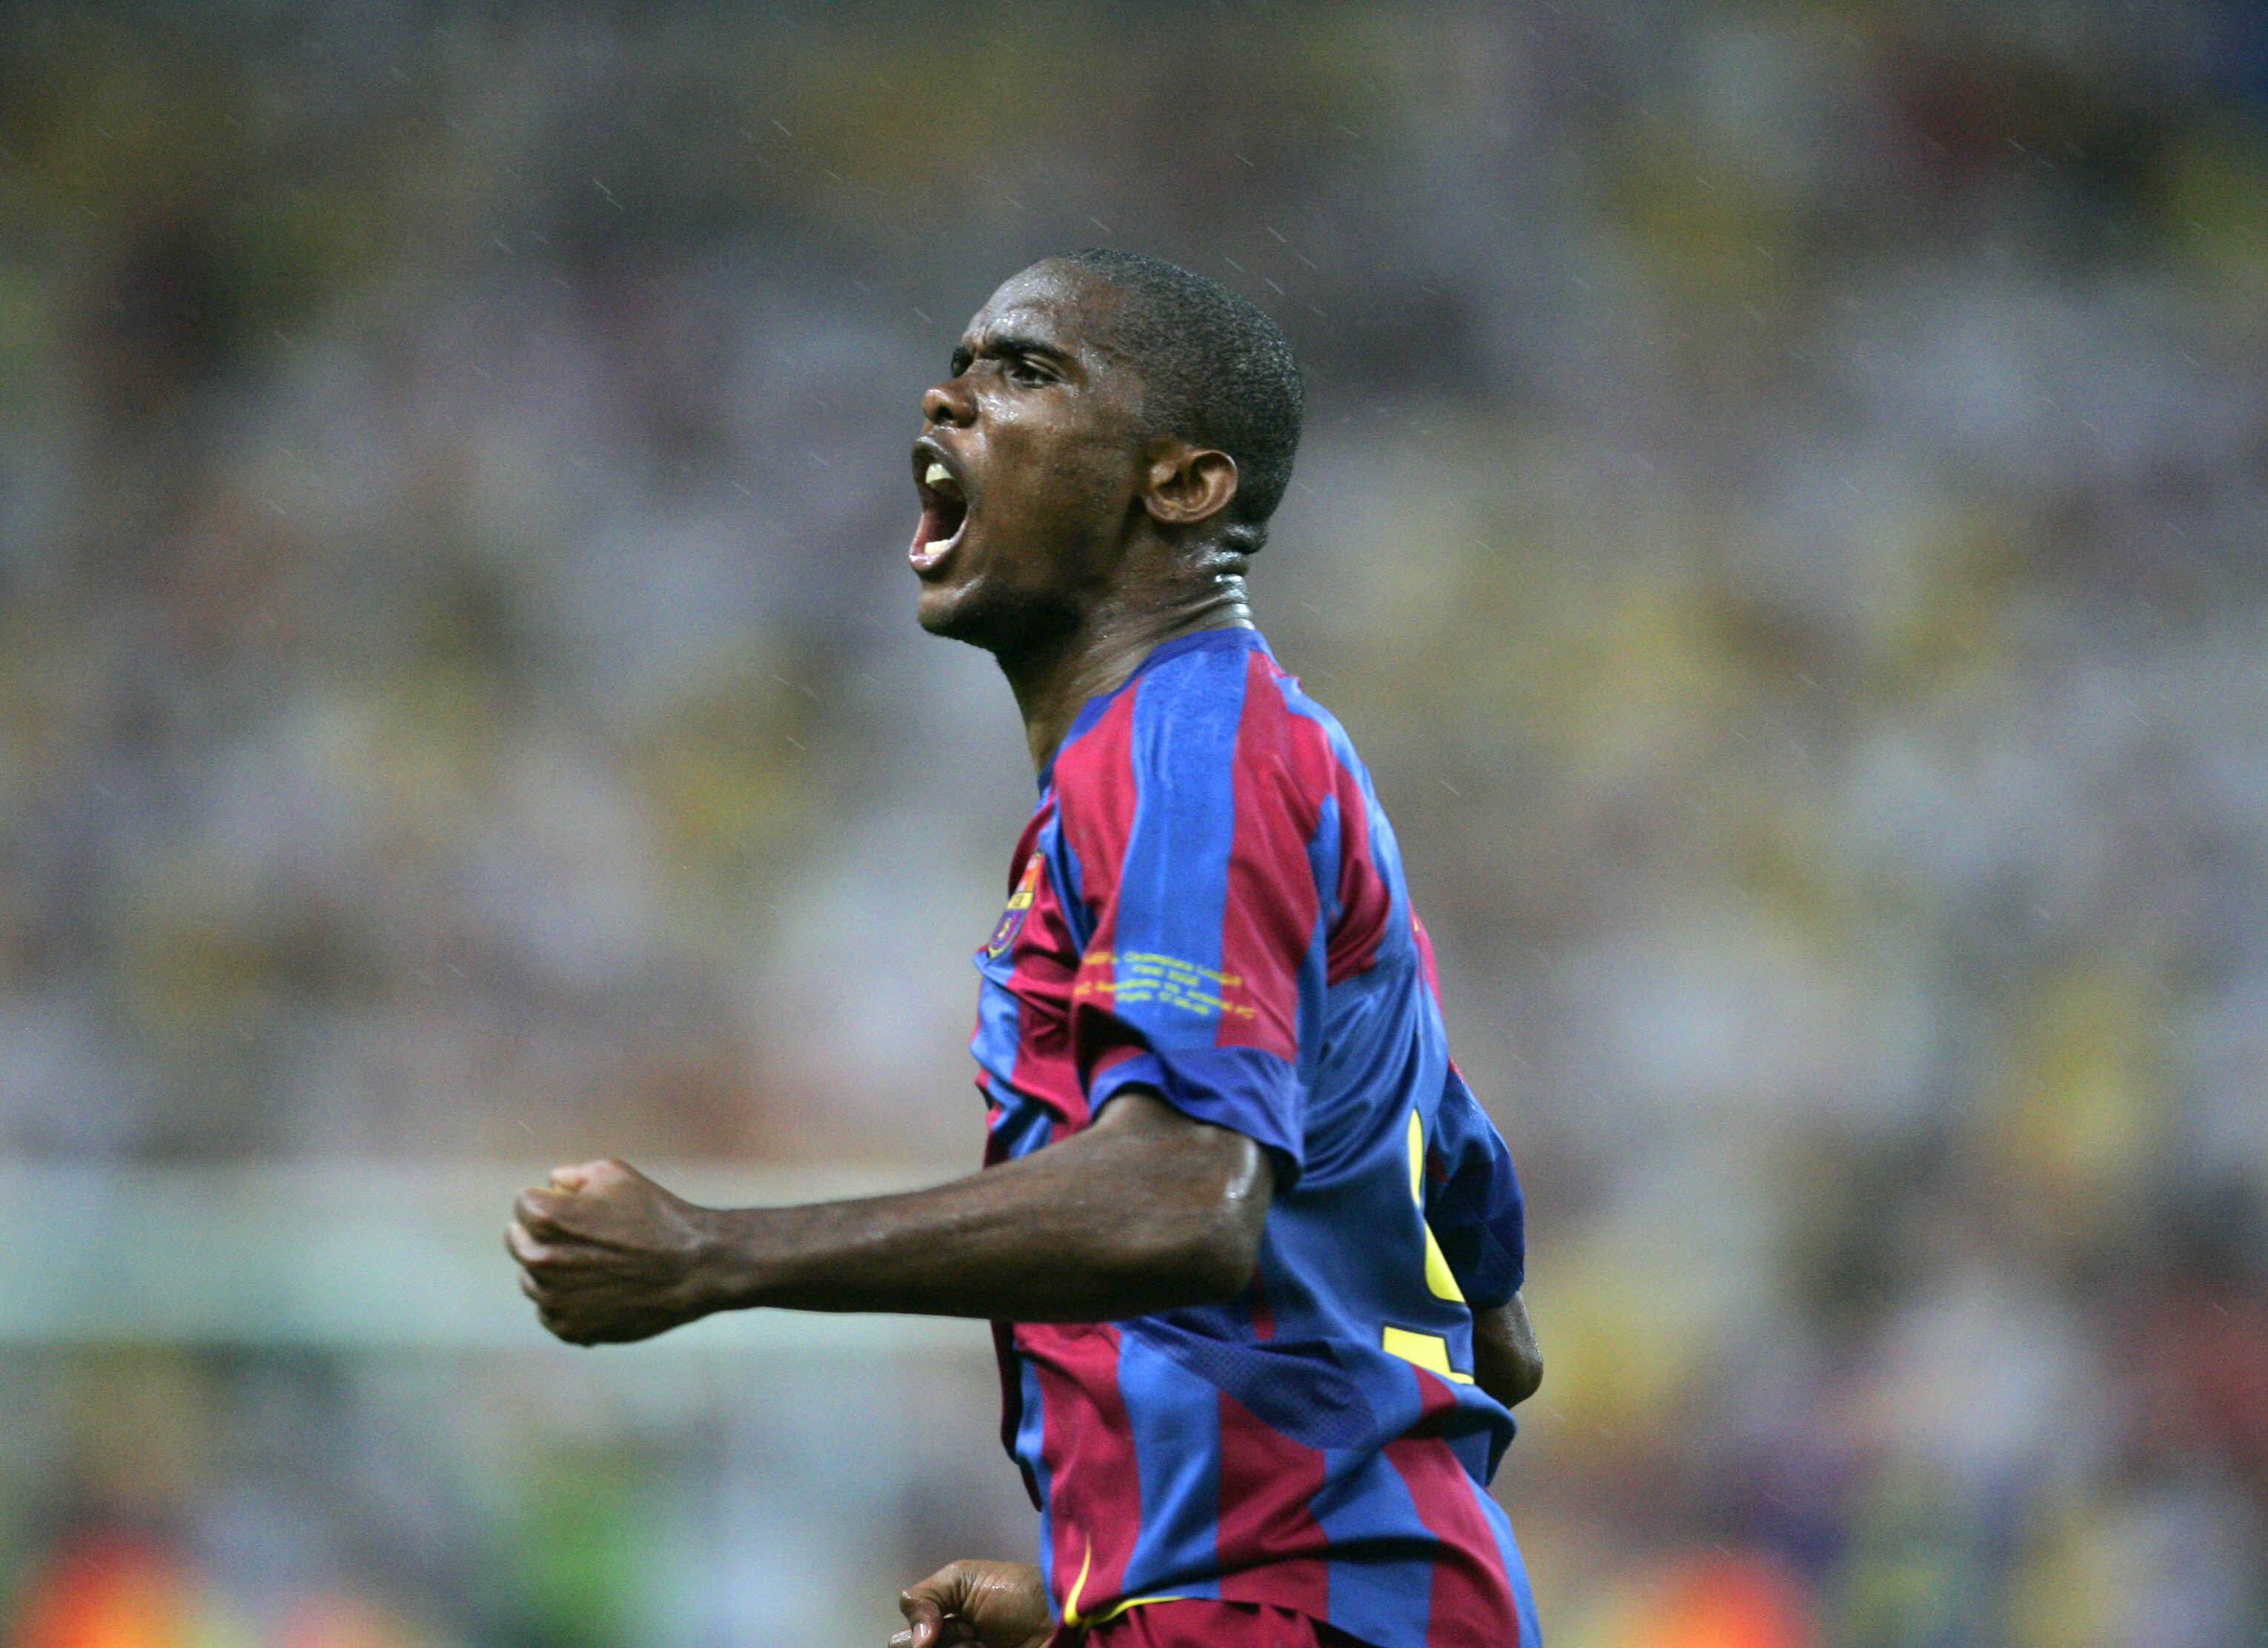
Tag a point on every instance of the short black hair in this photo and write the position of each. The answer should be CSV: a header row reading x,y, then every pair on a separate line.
x,y
1215,368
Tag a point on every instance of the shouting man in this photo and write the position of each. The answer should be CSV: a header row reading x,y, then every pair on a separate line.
x,y
1251,1249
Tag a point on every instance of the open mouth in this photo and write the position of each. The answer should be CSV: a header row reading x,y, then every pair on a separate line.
x,y
945,511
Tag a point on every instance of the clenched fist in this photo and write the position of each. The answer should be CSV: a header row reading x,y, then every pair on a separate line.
x,y
609,1255
979,1604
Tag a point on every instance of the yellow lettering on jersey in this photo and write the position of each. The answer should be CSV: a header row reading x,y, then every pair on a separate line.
x,y
1438,1277
1429,1351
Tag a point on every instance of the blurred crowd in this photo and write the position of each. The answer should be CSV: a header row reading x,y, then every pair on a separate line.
x,y
1784,513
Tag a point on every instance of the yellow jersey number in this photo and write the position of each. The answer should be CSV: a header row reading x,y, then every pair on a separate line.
x,y
1429,1351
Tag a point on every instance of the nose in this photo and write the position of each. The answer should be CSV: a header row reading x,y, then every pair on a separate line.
x,y
948,403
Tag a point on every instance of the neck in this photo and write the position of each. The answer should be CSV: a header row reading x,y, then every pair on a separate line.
x,y
1052,681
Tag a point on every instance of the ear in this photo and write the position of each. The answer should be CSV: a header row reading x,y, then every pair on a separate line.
x,y
1188,485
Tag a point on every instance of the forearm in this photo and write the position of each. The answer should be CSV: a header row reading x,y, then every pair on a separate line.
x,y
1111,1224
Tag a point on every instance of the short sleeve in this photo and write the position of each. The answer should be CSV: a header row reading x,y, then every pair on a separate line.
x,y
1473,1202
1203,975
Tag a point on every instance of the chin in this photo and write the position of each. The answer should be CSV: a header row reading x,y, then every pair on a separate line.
x,y
1008,621
944,611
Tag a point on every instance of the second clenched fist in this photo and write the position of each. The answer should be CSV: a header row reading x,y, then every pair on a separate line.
x,y
609,1255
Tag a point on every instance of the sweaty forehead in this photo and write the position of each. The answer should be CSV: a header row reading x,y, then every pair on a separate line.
x,y
1060,308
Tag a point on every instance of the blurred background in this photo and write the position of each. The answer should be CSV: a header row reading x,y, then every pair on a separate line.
x,y
1784,511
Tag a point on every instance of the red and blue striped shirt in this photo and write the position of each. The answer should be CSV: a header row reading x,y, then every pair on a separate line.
x,y
1208,903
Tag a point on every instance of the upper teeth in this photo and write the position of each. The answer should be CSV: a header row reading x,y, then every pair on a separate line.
x,y
939,475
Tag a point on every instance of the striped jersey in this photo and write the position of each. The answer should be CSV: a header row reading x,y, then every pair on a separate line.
x,y
1208,903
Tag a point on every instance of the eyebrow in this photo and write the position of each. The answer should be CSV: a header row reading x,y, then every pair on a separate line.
x,y
997,343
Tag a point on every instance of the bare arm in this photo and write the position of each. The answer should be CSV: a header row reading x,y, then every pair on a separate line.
x,y
1506,1362
1144,1211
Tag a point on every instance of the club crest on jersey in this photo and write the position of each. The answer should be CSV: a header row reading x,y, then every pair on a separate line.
x,y
1019,905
